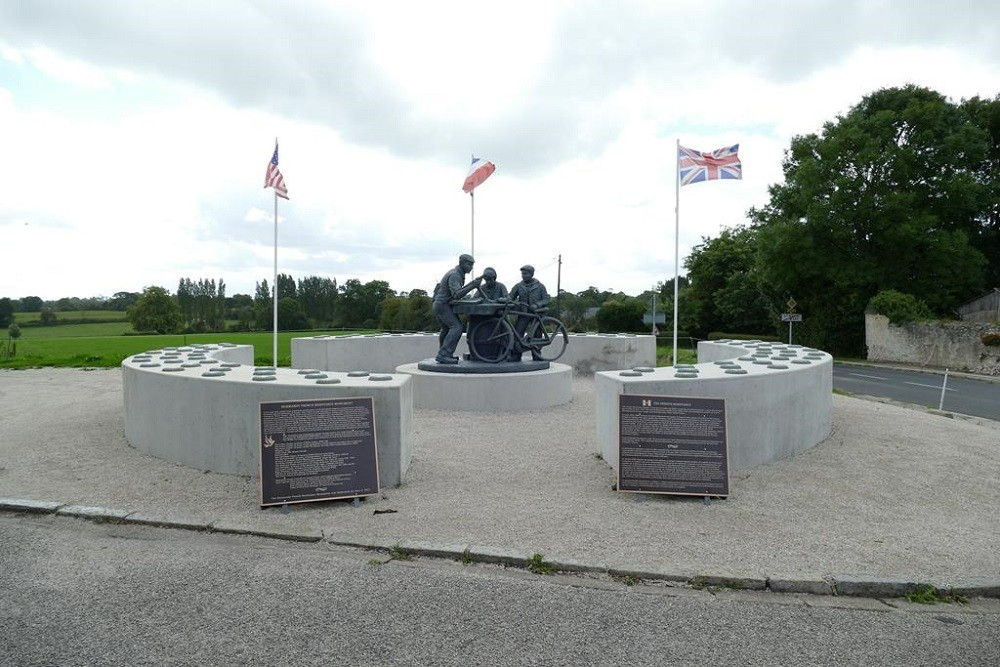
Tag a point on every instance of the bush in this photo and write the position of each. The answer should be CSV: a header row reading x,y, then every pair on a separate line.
x,y
900,308
991,338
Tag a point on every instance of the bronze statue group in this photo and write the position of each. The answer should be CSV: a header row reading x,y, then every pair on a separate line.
x,y
527,296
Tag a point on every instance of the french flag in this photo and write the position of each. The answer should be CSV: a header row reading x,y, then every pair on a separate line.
x,y
478,172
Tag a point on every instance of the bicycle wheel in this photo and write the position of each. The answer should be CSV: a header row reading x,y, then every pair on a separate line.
x,y
547,338
491,340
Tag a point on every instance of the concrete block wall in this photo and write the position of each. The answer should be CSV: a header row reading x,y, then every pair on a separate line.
x,y
779,398
198,406
384,353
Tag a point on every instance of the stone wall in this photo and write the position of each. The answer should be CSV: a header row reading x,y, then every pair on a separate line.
x,y
953,345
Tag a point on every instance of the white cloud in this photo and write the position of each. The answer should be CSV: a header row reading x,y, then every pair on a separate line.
x,y
142,131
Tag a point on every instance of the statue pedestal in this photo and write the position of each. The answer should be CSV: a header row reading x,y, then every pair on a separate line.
x,y
472,366
510,391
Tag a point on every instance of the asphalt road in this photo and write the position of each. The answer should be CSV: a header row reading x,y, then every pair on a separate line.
x,y
978,398
75,592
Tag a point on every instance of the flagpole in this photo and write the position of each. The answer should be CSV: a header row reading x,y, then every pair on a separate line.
x,y
274,285
472,198
677,236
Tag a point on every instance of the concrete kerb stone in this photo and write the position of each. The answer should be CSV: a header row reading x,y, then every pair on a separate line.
x,y
499,555
97,514
824,586
859,585
25,505
160,521
289,535
736,583
847,586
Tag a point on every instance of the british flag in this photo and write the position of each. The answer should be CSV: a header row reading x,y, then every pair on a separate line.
x,y
695,166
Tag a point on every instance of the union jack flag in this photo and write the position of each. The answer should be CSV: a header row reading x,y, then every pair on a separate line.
x,y
695,166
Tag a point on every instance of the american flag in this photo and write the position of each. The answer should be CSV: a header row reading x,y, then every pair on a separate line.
x,y
695,166
273,177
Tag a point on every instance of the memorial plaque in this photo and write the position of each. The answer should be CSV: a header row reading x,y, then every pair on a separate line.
x,y
673,444
320,449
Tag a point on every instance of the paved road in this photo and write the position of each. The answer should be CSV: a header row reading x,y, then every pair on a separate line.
x,y
979,398
75,592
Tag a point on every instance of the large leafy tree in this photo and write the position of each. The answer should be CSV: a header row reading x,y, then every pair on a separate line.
x,y
725,292
887,197
359,305
318,297
155,310
31,304
986,232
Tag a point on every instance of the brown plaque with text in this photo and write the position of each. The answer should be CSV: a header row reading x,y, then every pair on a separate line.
x,y
673,444
319,449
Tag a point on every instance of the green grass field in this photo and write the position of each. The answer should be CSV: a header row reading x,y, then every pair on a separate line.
x,y
76,330
108,351
102,315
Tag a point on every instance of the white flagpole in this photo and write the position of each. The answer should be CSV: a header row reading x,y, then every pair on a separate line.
x,y
472,198
274,286
677,236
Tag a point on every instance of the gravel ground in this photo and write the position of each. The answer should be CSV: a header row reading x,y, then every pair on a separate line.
x,y
893,492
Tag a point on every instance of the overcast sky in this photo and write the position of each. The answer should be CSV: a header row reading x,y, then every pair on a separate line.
x,y
136,134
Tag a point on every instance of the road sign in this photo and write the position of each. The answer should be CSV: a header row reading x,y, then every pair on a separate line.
x,y
791,317
661,318
791,304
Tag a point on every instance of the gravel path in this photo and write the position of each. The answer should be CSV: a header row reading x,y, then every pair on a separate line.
x,y
893,492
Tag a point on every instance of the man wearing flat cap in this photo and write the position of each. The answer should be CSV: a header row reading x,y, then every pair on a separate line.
x,y
530,295
451,288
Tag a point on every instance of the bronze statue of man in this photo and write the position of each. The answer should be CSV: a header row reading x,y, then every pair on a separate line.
x,y
451,288
491,289
530,295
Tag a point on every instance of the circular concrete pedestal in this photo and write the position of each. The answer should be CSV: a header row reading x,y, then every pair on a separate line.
x,y
491,392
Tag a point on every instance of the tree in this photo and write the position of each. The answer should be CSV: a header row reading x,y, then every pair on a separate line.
x,y
359,305
202,303
47,317
31,304
725,293
6,312
621,315
414,312
986,233
886,197
122,300
290,315
155,310
263,313
239,307
286,287
318,297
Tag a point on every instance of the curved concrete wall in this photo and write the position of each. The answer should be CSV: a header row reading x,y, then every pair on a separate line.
x,y
779,398
384,353
198,406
